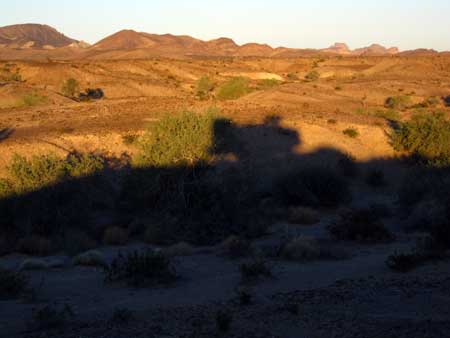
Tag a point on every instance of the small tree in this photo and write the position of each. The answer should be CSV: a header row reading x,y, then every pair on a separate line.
x,y
70,87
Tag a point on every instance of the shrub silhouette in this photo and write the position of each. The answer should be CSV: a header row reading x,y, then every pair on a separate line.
x,y
12,284
204,88
398,102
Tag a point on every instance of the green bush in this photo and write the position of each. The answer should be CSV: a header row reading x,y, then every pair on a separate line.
x,y
312,76
40,171
181,139
269,83
233,89
425,136
398,102
70,87
204,87
32,99
351,132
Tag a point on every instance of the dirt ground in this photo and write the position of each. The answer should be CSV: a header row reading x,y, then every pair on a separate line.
x,y
354,296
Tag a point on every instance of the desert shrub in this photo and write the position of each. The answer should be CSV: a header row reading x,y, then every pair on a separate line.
x,y
338,88
301,248
360,225
403,262
375,178
181,139
35,246
426,136
121,317
179,249
303,215
332,121
140,269
204,87
39,171
314,186
115,236
12,284
233,89
269,83
292,77
351,132
32,99
223,320
129,139
312,76
51,317
33,264
6,188
235,247
398,102
254,270
70,87
387,114
90,258
429,102
347,165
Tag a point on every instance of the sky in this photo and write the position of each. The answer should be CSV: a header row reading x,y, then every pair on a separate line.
x,y
407,24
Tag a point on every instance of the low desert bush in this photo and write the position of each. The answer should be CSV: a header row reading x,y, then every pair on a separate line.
x,y
181,139
129,139
426,137
404,262
233,89
292,77
235,247
269,83
398,102
360,225
314,186
90,258
351,132
33,264
70,87
121,317
32,99
204,88
12,284
254,270
302,248
140,269
429,102
115,236
312,76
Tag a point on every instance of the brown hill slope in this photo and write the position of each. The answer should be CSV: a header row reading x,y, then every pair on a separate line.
x,y
33,36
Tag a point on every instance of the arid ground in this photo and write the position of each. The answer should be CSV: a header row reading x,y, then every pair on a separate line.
x,y
287,118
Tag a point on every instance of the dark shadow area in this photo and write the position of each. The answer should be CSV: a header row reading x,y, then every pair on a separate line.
x,y
257,177
5,133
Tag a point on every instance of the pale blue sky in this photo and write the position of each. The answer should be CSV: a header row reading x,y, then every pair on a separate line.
x,y
407,24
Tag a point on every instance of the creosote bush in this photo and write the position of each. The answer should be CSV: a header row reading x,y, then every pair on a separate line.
x,y
351,132
398,102
140,269
233,89
204,88
70,87
425,136
181,139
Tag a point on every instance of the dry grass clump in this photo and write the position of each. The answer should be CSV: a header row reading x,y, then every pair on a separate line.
x,y
233,89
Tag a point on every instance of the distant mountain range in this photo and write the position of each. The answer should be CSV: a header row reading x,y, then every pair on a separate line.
x,y
37,41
